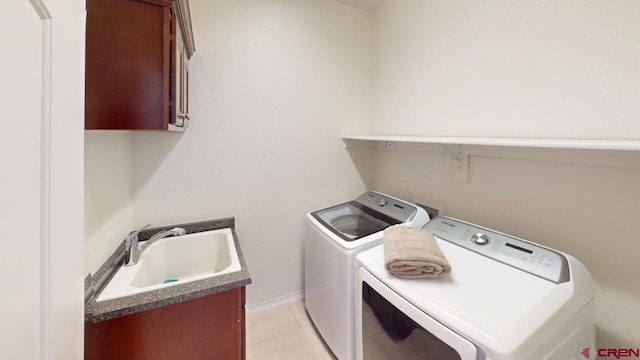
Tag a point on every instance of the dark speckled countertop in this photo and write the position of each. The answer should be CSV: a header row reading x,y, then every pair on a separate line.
x,y
100,311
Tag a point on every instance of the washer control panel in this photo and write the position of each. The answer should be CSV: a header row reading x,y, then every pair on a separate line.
x,y
512,251
389,206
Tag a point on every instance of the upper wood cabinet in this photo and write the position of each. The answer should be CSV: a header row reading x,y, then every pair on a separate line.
x,y
137,72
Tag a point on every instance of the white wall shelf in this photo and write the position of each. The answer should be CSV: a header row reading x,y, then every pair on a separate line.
x,y
583,144
455,146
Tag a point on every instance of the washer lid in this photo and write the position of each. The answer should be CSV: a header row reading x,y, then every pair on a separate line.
x,y
370,213
484,300
352,221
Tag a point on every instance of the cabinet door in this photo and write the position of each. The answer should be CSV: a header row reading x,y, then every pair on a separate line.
x,y
207,328
181,94
128,56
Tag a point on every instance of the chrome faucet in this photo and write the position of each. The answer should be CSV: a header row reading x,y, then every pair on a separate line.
x,y
133,249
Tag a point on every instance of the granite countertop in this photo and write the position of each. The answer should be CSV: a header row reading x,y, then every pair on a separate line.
x,y
110,309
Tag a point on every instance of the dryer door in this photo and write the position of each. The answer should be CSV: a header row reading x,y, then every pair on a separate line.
x,y
387,325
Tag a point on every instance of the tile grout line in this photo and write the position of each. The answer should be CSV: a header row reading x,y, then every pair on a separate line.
x,y
300,326
284,333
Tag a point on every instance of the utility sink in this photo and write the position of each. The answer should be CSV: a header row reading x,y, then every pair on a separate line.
x,y
174,261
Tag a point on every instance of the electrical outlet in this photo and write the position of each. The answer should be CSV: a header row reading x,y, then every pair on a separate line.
x,y
432,209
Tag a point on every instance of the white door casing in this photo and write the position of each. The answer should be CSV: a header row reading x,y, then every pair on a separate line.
x,y
41,143
21,194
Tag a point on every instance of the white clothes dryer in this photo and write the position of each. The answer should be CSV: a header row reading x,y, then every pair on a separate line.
x,y
333,238
505,299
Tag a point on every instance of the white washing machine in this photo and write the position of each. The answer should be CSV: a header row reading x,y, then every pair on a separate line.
x,y
505,298
334,236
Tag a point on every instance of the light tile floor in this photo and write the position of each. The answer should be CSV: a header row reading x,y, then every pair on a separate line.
x,y
285,333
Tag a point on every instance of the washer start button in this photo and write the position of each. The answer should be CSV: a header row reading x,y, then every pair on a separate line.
x,y
480,239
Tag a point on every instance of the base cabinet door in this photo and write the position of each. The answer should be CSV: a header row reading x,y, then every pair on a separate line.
x,y
211,327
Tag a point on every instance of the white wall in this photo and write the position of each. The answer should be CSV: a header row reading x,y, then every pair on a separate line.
x,y
522,68
274,85
508,68
108,201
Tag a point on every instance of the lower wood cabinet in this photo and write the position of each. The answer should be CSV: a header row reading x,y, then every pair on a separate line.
x,y
211,327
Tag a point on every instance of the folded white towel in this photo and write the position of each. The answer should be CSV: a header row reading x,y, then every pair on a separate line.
x,y
412,253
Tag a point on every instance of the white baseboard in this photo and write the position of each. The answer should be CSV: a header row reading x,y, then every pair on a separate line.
x,y
284,300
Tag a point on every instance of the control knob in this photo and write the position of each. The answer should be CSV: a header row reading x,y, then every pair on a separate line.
x,y
480,239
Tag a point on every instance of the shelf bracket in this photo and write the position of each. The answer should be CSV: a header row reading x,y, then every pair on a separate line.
x,y
461,162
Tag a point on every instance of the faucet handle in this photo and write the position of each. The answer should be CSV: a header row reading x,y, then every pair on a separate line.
x,y
134,234
131,245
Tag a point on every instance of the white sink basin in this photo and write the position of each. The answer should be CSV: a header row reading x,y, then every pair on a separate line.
x,y
176,260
